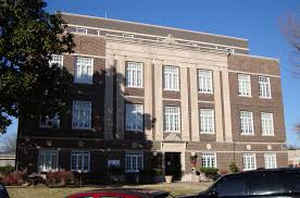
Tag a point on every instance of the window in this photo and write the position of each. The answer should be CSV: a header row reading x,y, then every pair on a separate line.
x,y
57,59
84,70
47,122
171,119
270,160
209,160
171,78
80,161
48,160
207,121
244,85
205,82
134,74
82,113
264,87
231,186
249,161
247,123
267,124
81,30
268,184
134,161
134,117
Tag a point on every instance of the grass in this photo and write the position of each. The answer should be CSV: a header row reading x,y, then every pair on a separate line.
x,y
45,192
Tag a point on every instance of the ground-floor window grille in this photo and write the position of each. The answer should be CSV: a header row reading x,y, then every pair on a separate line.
x,y
80,161
48,160
249,161
134,162
209,160
270,160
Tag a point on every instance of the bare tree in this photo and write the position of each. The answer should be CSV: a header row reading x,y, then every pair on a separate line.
x,y
9,143
290,27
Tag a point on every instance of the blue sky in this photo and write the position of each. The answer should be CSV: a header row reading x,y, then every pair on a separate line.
x,y
256,20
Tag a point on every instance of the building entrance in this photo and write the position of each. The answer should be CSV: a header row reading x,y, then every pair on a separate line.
x,y
173,165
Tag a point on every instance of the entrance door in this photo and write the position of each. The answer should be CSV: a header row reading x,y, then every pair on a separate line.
x,y
173,165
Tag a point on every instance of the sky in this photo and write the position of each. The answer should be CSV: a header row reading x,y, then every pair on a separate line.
x,y
256,20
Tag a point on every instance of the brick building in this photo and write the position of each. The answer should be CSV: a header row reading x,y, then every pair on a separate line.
x,y
152,96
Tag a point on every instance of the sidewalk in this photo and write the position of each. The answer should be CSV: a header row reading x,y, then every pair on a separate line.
x,y
45,192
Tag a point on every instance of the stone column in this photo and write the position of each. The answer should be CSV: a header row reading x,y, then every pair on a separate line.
x,y
148,99
227,107
158,101
108,111
120,72
194,105
185,124
218,106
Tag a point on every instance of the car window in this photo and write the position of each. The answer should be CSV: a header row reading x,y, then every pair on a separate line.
x,y
266,184
232,185
292,181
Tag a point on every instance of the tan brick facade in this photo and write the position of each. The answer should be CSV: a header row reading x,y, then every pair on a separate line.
x,y
108,138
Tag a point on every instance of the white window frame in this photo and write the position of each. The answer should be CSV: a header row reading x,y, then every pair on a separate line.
x,y
171,78
134,74
209,160
244,85
44,166
267,124
57,59
264,87
50,123
249,161
80,157
270,160
134,162
79,113
205,81
246,123
207,121
136,116
172,120
81,30
84,70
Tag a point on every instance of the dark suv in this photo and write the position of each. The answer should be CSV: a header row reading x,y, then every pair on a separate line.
x,y
282,182
3,191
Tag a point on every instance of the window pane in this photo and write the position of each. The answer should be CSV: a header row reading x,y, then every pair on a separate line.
x,y
48,160
134,74
56,59
264,87
84,70
171,119
205,82
267,123
134,117
134,161
171,78
207,121
209,160
244,85
82,111
246,123
80,161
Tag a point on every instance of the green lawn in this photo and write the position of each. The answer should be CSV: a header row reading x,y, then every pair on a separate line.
x,y
44,192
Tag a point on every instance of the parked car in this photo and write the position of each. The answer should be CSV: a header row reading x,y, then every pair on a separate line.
x,y
3,192
123,193
271,183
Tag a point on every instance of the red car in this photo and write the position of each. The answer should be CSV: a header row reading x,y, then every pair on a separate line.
x,y
123,193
